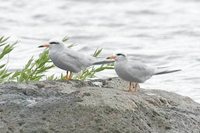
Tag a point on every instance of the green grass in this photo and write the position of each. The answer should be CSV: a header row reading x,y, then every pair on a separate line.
x,y
6,48
35,69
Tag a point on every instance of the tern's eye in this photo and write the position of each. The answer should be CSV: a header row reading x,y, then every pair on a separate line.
x,y
54,43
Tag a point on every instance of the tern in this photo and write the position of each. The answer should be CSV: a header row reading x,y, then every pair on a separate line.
x,y
68,59
135,72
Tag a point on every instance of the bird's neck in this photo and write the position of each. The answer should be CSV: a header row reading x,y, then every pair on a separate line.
x,y
57,48
121,61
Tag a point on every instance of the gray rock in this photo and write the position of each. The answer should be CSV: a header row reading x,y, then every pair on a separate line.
x,y
94,106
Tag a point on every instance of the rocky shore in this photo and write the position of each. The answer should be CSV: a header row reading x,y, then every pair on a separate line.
x,y
98,106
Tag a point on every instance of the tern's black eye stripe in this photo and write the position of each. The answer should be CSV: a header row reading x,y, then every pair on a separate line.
x,y
54,43
120,55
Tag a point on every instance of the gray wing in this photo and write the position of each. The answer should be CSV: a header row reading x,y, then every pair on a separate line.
x,y
75,61
70,60
140,70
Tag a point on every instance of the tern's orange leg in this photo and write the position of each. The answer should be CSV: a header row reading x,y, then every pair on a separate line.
x,y
133,89
137,87
130,87
67,75
70,76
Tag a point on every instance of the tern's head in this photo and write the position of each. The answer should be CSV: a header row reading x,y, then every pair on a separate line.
x,y
117,57
52,44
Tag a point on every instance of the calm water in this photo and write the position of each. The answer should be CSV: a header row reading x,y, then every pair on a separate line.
x,y
158,32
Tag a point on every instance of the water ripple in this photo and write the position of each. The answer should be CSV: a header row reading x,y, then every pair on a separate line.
x,y
157,32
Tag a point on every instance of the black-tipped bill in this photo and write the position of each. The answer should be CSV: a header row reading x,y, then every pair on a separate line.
x,y
45,45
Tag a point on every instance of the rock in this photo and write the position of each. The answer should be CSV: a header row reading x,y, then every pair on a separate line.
x,y
94,106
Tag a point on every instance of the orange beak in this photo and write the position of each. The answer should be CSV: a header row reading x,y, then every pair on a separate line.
x,y
112,57
44,45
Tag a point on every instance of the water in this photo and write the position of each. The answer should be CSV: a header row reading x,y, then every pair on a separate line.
x,y
158,32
